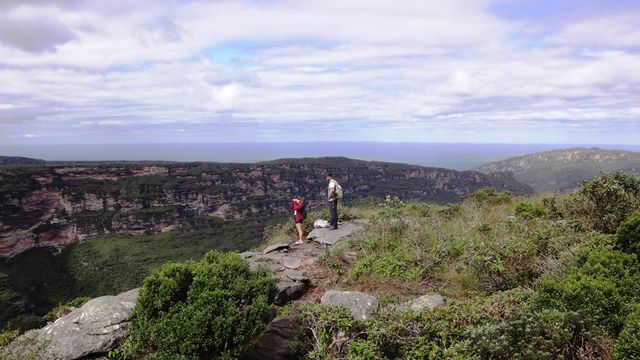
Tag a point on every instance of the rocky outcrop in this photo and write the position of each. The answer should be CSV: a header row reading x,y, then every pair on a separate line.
x,y
92,329
362,305
292,285
288,291
60,204
277,342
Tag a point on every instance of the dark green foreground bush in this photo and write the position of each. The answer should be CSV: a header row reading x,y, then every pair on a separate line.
x,y
628,346
537,335
602,283
605,202
205,309
628,235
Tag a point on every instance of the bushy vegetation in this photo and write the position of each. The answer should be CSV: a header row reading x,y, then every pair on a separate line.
x,y
604,203
331,333
547,334
628,346
600,283
576,276
628,235
194,310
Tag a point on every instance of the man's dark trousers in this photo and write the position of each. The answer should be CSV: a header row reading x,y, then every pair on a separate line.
x,y
333,208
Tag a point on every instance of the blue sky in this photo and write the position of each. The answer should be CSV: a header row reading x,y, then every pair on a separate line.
x,y
472,71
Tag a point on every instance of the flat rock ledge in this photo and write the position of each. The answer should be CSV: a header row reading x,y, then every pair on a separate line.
x,y
275,247
331,237
91,329
362,305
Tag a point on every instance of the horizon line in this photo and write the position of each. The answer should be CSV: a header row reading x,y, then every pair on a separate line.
x,y
325,142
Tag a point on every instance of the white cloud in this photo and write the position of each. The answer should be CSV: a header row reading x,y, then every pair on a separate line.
x,y
610,31
225,96
413,67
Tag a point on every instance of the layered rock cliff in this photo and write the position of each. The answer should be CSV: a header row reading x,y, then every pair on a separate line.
x,y
56,205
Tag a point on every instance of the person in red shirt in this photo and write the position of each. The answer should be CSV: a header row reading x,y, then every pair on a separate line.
x,y
297,205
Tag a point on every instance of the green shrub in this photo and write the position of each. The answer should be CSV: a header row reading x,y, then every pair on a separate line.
x,y
606,201
601,284
531,335
193,309
499,265
387,254
332,333
529,211
490,196
628,346
7,336
326,330
628,235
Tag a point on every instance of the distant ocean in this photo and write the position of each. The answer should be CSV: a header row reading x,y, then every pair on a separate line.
x,y
453,156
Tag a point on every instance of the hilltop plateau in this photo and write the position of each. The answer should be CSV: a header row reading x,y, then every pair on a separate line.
x,y
563,170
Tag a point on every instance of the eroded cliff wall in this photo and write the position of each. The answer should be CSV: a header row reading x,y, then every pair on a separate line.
x,y
60,204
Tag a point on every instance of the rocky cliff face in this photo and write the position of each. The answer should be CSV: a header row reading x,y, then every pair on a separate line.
x,y
60,204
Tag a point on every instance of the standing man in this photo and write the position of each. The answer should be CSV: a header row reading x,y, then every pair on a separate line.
x,y
334,192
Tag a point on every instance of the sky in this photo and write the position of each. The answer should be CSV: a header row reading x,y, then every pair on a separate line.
x,y
456,71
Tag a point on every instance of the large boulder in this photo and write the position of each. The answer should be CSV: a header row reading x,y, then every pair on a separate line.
x,y
94,328
288,291
295,275
362,305
276,343
292,285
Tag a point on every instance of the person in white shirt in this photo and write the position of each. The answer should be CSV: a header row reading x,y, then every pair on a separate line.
x,y
332,198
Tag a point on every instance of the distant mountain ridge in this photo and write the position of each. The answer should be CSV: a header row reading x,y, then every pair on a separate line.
x,y
59,204
19,160
563,170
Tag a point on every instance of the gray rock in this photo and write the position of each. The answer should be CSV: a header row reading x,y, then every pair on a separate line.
x,y
331,237
362,305
275,247
94,328
276,343
294,275
289,290
425,302
248,254
269,266
274,256
291,262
